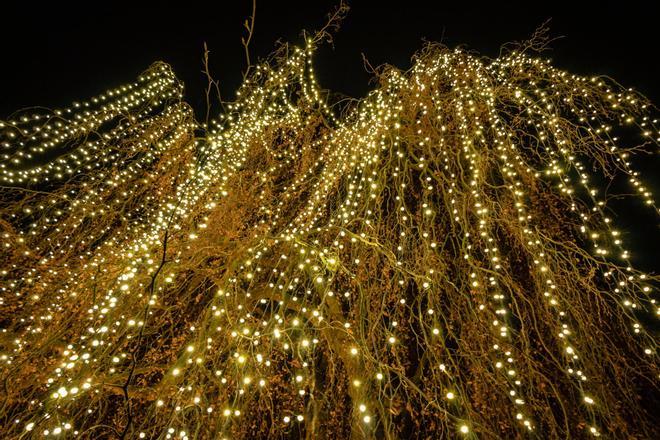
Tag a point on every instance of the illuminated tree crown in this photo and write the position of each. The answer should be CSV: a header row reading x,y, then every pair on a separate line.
x,y
433,260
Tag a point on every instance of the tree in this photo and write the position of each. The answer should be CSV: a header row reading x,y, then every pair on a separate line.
x,y
433,260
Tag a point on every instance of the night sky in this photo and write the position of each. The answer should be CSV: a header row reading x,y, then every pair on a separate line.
x,y
56,53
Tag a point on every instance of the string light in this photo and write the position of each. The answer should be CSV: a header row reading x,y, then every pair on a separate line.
x,y
436,253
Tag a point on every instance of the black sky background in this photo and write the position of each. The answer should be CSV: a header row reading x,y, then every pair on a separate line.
x,y
58,52
54,53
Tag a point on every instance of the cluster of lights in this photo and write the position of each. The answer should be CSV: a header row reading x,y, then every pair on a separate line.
x,y
241,283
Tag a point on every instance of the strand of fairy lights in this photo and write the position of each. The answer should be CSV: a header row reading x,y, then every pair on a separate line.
x,y
310,243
